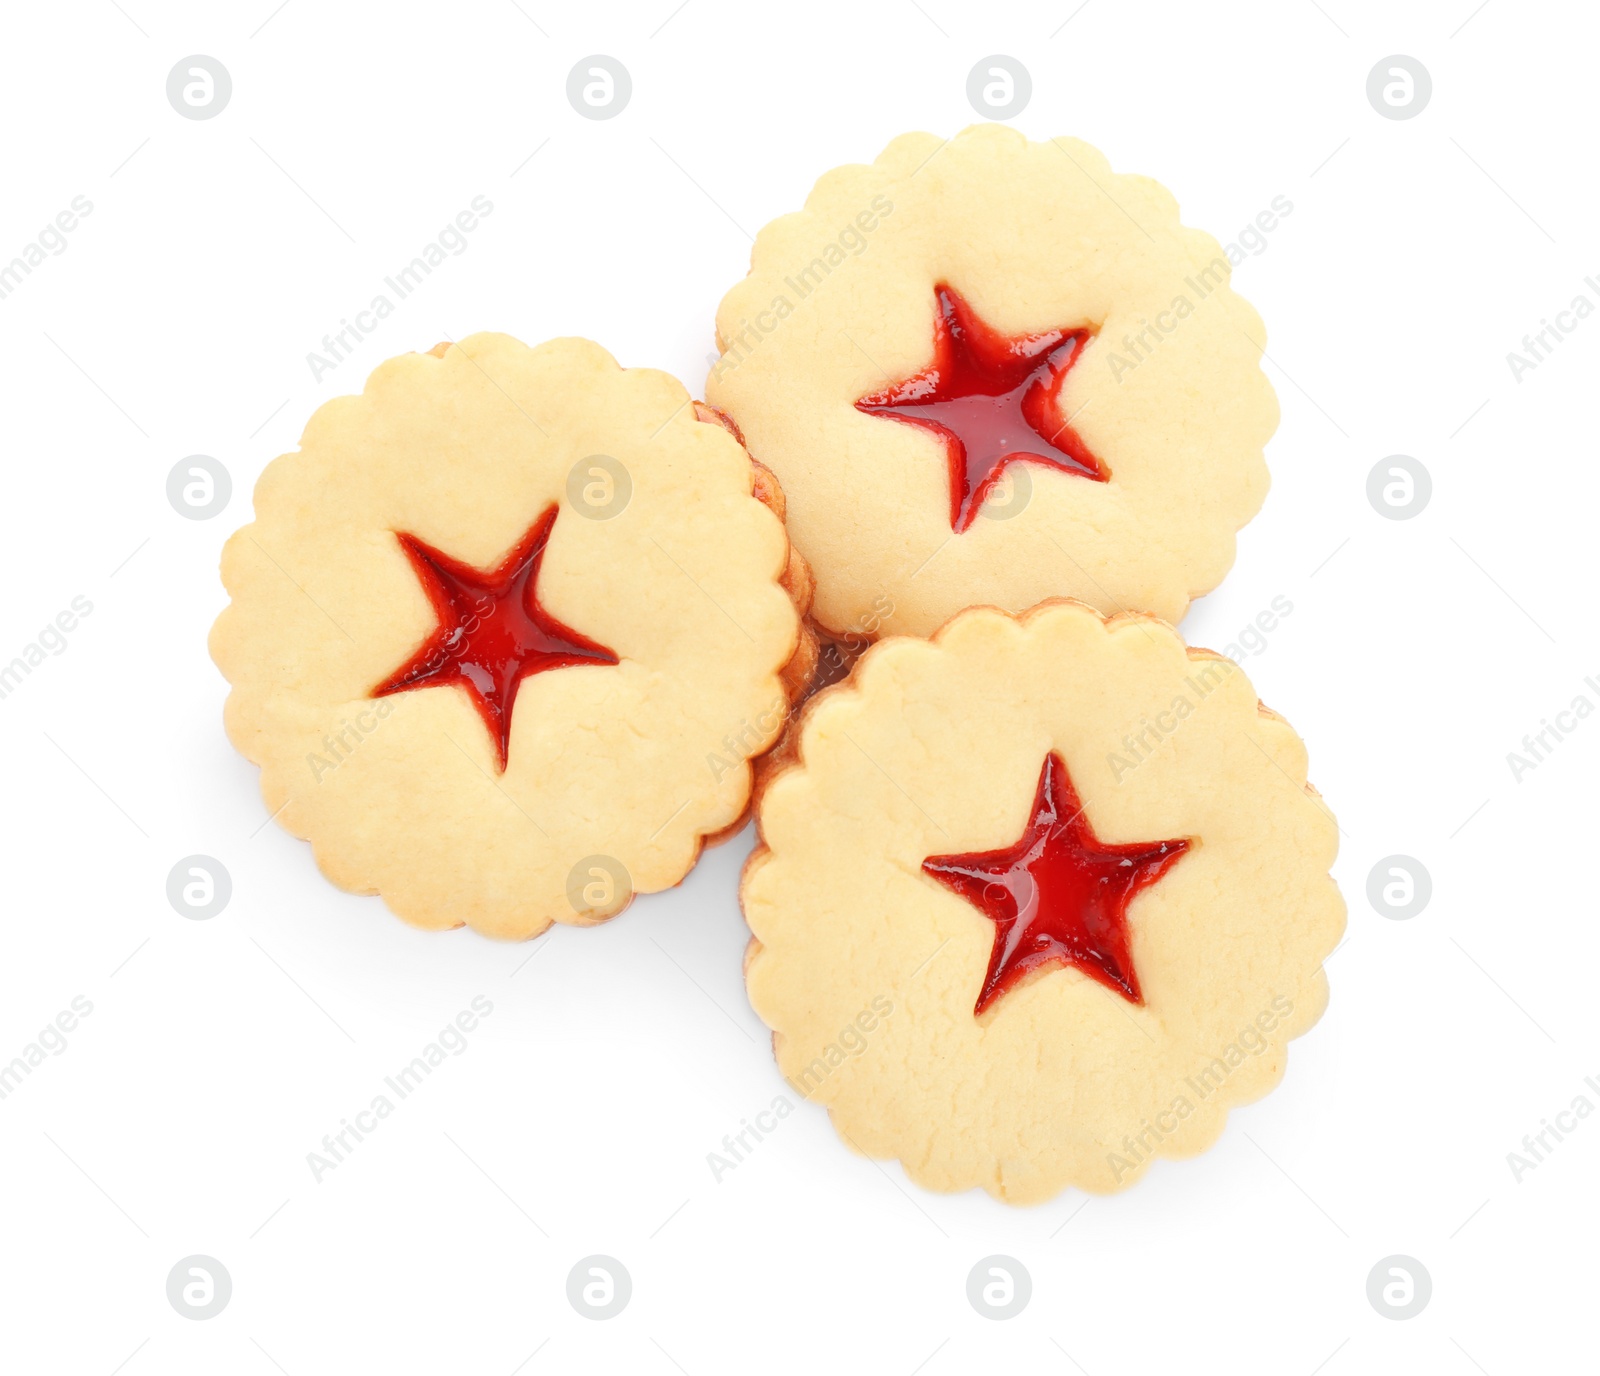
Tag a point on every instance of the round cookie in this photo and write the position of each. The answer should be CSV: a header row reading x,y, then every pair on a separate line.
x,y
992,371
507,631
1038,900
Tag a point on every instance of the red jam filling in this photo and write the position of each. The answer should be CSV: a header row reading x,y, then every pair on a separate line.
x,y
492,630
992,400
1059,896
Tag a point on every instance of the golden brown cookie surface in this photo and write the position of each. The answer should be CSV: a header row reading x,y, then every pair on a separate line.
x,y
872,966
506,632
940,266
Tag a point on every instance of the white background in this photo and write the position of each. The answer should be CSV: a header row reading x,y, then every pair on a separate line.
x,y
178,320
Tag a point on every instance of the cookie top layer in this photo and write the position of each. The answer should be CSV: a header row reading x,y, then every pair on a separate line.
x,y
874,959
1148,440
535,531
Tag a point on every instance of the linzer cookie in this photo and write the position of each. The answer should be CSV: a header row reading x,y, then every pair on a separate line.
x,y
1037,901
989,371
507,631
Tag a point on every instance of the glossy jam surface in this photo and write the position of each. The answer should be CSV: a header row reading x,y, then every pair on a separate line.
x,y
992,400
1059,896
492,630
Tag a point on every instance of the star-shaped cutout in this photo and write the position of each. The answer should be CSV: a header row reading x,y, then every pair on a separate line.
x,y
1059,896
492,630
993,401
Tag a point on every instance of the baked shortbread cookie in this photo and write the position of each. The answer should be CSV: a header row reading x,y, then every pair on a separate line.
x,y
1039,900
507,631
992,371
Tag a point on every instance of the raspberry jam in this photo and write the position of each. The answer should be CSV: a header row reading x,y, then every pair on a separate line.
x,y
492,630
1059,896
993,401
